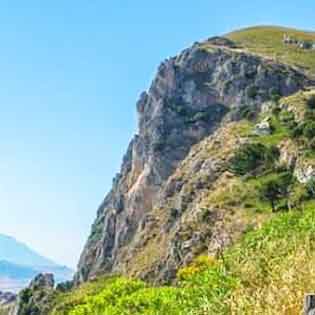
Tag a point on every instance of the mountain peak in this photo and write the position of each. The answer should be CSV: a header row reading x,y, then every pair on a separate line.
x,y
268,41
19,253
19,264
193,94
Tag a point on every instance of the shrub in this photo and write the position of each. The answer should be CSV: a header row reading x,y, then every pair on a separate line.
x,y
64,286
253,156
298,195
288,120
310,187
260,271
309,114
311,102
287,116
274,94
296,132
252,92
309,130
276,188
200,264
308,44
306,129
247,112
276,110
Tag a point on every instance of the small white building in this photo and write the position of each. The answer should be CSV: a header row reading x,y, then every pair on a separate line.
x,y
287,39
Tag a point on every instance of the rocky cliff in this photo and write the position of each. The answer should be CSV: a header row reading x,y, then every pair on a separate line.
x,y
153,219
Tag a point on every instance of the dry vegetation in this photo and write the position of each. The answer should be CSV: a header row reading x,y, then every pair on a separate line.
x,y
267,41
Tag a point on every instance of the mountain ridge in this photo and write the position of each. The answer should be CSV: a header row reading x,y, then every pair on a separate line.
x,y
19,264
191,96
213,210
17,252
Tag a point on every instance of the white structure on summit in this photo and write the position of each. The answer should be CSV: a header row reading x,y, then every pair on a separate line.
x,y
303,44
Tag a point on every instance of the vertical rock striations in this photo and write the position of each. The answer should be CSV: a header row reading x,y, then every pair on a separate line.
x,y
191,96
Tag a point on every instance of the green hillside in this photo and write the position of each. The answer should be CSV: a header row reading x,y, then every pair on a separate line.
x,y
267,41
268,270
262,196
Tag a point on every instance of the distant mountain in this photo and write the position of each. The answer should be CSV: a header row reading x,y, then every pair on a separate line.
x,y
19,264
16,252
15,272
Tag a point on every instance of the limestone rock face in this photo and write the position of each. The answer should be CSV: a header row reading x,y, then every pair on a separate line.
x,y
192,95
305,173
43,281
289,154
36,298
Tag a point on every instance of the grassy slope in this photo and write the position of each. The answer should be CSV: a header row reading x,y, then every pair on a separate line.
x,y
6,309
267,271
267,41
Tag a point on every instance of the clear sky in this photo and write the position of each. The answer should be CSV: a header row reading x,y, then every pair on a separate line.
x,y
70,75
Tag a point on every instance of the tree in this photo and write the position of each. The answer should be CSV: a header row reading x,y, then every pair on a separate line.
x,y
253,156
276,188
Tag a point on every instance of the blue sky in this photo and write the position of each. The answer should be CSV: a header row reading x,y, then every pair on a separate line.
x,y
70,75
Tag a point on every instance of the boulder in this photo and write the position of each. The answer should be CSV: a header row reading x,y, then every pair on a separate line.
x,y
288,153
305,174
43,281
263,128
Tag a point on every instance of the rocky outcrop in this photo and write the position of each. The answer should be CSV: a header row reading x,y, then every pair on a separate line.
x,y
292,157
7,298
305,172
7,303
36,298
43,282
192,95
289,153
263,128
183,224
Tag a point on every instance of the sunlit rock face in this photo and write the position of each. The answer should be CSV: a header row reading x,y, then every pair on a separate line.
x,y
192,95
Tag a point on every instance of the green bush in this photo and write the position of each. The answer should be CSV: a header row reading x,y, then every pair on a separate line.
x,y
309,130
310,187
311,102
247,279
286,116
276,188
305,129
252,92
64,286
253,157
297,131
276,110
309,114
247,112
275,94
